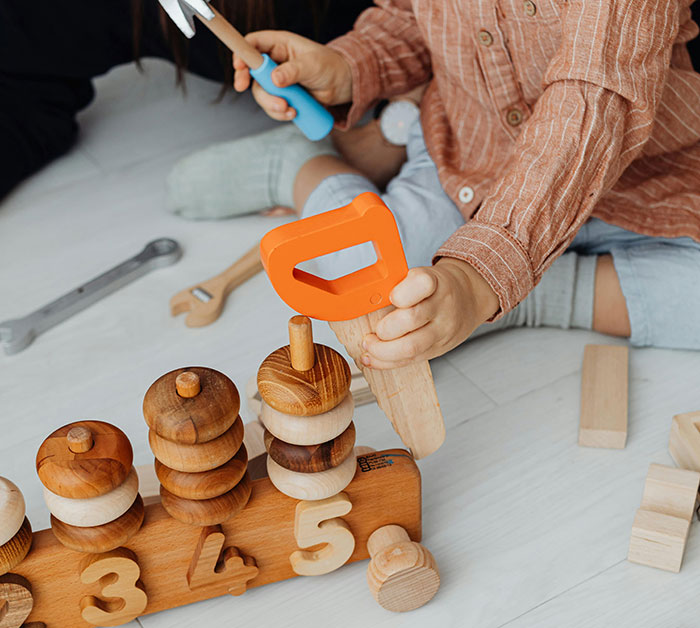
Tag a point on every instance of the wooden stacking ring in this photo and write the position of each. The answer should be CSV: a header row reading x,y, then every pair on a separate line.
x,y
304,393
311,458
97,471
102,538
194,419
12,510
312,486
94,511
16,549
205,484
200,457
208,512
308,430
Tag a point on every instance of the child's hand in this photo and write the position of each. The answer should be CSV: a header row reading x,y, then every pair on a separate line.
x,y
437,309
321,70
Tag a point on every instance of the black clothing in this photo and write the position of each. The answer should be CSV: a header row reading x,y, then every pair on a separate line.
x,y
51,49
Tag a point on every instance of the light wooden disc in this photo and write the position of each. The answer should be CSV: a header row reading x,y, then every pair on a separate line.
x,y
304,393
16,549
94,511
102,538
95,472
311,458
312,486
197,419
200,457
308,430
12,510
205,484
208,512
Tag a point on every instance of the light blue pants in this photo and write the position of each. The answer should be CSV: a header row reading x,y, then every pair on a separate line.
x,y
659,277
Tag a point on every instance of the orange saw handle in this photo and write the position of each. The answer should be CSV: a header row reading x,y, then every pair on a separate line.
x,y
365,219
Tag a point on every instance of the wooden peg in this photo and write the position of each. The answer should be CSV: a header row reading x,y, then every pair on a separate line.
x,y
92,473
94,511
311,458
80,439
12,510
188,385
312,486
684,441
16,600
205,484
402,574
16,549
124,585
200,457
102,538
308,430
301,343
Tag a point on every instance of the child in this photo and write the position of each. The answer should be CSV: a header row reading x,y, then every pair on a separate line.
x,y
557,155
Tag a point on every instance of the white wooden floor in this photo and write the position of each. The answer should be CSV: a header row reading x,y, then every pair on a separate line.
x,y
528,528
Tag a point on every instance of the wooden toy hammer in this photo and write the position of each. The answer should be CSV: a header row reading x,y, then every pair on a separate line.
x,y
354,304
312,118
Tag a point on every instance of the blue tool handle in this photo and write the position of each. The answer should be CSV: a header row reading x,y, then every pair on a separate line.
x,y
312,118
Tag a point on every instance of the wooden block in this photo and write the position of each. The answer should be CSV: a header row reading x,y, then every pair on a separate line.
x,y
102,538
316,523
207,512
658,540
16,549
199,457
214,566
603,421
16,600
94,511
124,585
205,484
386,490
311,458
199,418
12,510
304,393
684,442
402,574
671,491
311,486
308,430
254,439
91,473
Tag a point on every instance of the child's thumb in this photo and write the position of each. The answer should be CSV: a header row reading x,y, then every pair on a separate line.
x,y
287,73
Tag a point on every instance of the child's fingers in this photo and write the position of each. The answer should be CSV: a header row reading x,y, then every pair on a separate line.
x,y
241,79
419,284
404,350
275,107
403,321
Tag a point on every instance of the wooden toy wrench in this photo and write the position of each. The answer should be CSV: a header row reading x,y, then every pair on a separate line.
x,y
355,303
312,118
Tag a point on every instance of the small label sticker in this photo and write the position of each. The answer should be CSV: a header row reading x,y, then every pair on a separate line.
x,y
374,461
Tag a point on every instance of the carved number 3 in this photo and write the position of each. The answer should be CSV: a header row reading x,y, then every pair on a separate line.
x,y
16,600
313,524
124,585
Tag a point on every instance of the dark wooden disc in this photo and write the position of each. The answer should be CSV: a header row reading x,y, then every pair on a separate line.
x,y
205,484
102,538
208,512
304,393
193,420
311,458
97,471
16,549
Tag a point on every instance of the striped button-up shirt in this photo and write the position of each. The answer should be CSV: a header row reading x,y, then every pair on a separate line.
x,y
540,114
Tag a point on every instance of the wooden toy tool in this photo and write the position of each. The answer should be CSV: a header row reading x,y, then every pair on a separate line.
x,y
312,118
355,303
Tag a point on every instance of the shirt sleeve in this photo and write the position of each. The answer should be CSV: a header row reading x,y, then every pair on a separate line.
x,y
387,56
597,111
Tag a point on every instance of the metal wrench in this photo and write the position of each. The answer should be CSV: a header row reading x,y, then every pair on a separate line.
x,y
17,334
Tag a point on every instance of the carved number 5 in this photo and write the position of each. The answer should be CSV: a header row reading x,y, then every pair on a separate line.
x,y
124,585
313,524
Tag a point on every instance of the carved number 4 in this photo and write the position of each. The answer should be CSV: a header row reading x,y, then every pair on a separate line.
x,y
314,524
16,602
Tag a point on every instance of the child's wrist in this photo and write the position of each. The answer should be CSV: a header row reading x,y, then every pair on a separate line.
x,y
485,300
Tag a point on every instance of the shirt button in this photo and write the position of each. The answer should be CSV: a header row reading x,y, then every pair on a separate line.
x,y
514,117
485,38
530,8
466,194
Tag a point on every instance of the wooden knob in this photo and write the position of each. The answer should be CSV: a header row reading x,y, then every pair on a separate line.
x,y
301,343
188,385
80,439
12,510
402,575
